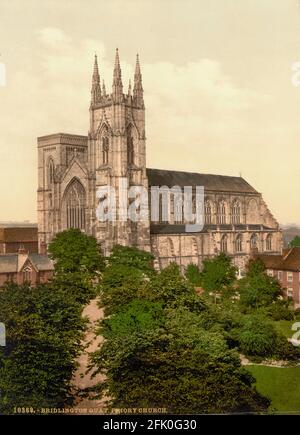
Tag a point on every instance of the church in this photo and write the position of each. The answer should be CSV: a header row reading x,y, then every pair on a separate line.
x,y
71,169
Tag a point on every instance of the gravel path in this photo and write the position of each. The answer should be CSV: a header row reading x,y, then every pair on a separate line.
x,y
81,378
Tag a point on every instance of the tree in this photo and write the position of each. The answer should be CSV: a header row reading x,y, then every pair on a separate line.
x,y
74,251
128,270
295,242
44,329
132,258
257,289
258,337
193,274
218,273
162,357
156,350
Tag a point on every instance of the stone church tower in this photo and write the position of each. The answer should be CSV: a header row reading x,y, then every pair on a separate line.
x,y
72,169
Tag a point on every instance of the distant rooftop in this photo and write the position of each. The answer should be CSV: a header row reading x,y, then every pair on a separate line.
x,y
11,224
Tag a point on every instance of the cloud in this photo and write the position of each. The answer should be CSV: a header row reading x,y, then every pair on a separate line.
x,y
49,91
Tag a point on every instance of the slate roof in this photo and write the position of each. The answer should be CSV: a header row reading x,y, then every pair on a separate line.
x,y
9,262
180,228
219,183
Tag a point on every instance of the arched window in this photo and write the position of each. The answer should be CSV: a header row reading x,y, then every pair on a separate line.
x,y
130,146
253,241
27,274
269,242
74,205
105,150
50,172
224,243
236,213
208,212
221,213
239,243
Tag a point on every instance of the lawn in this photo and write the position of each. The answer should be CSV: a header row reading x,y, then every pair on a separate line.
x,y
285,327
281,385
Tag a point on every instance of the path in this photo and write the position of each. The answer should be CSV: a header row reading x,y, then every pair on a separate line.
x,y
91,342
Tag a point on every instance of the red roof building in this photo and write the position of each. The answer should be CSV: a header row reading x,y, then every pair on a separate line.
x,y
286,268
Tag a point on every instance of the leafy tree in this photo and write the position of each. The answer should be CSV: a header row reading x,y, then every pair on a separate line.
x,y
295,242
132,258
157,352
257,289
155,357
44,329
218,273
172,289
74,251
193,275
128,270
258,337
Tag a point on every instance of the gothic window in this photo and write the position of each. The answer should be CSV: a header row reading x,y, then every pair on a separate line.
x,y
224,243
236,213
27,274
252,212
75,200
130,146
50,172
105,150
221,213
253,241
208,212
269,242
239,243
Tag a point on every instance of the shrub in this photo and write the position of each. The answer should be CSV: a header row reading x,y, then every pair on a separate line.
x,y
279,310
257,337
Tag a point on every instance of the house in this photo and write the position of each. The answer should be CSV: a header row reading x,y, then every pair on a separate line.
x,y
286,268
25,267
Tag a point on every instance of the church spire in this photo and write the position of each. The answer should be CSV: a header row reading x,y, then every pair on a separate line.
x,y
117,87
103,89
96,87
129,88
138,87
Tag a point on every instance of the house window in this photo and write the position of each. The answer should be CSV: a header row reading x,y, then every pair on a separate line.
x,y
224,243
290,276
269,242
280,275
239,243
27,274
270,272
290,292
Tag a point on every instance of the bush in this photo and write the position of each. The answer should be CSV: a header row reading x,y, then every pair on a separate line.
x,y
279,310
257,337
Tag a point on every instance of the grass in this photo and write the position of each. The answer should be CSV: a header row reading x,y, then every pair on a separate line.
x,y
280,385
285,327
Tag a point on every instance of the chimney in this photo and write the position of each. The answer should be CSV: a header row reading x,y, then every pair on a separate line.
x,y
43,248
22,256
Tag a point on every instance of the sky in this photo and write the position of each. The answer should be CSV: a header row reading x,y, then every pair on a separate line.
x,y
216,75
